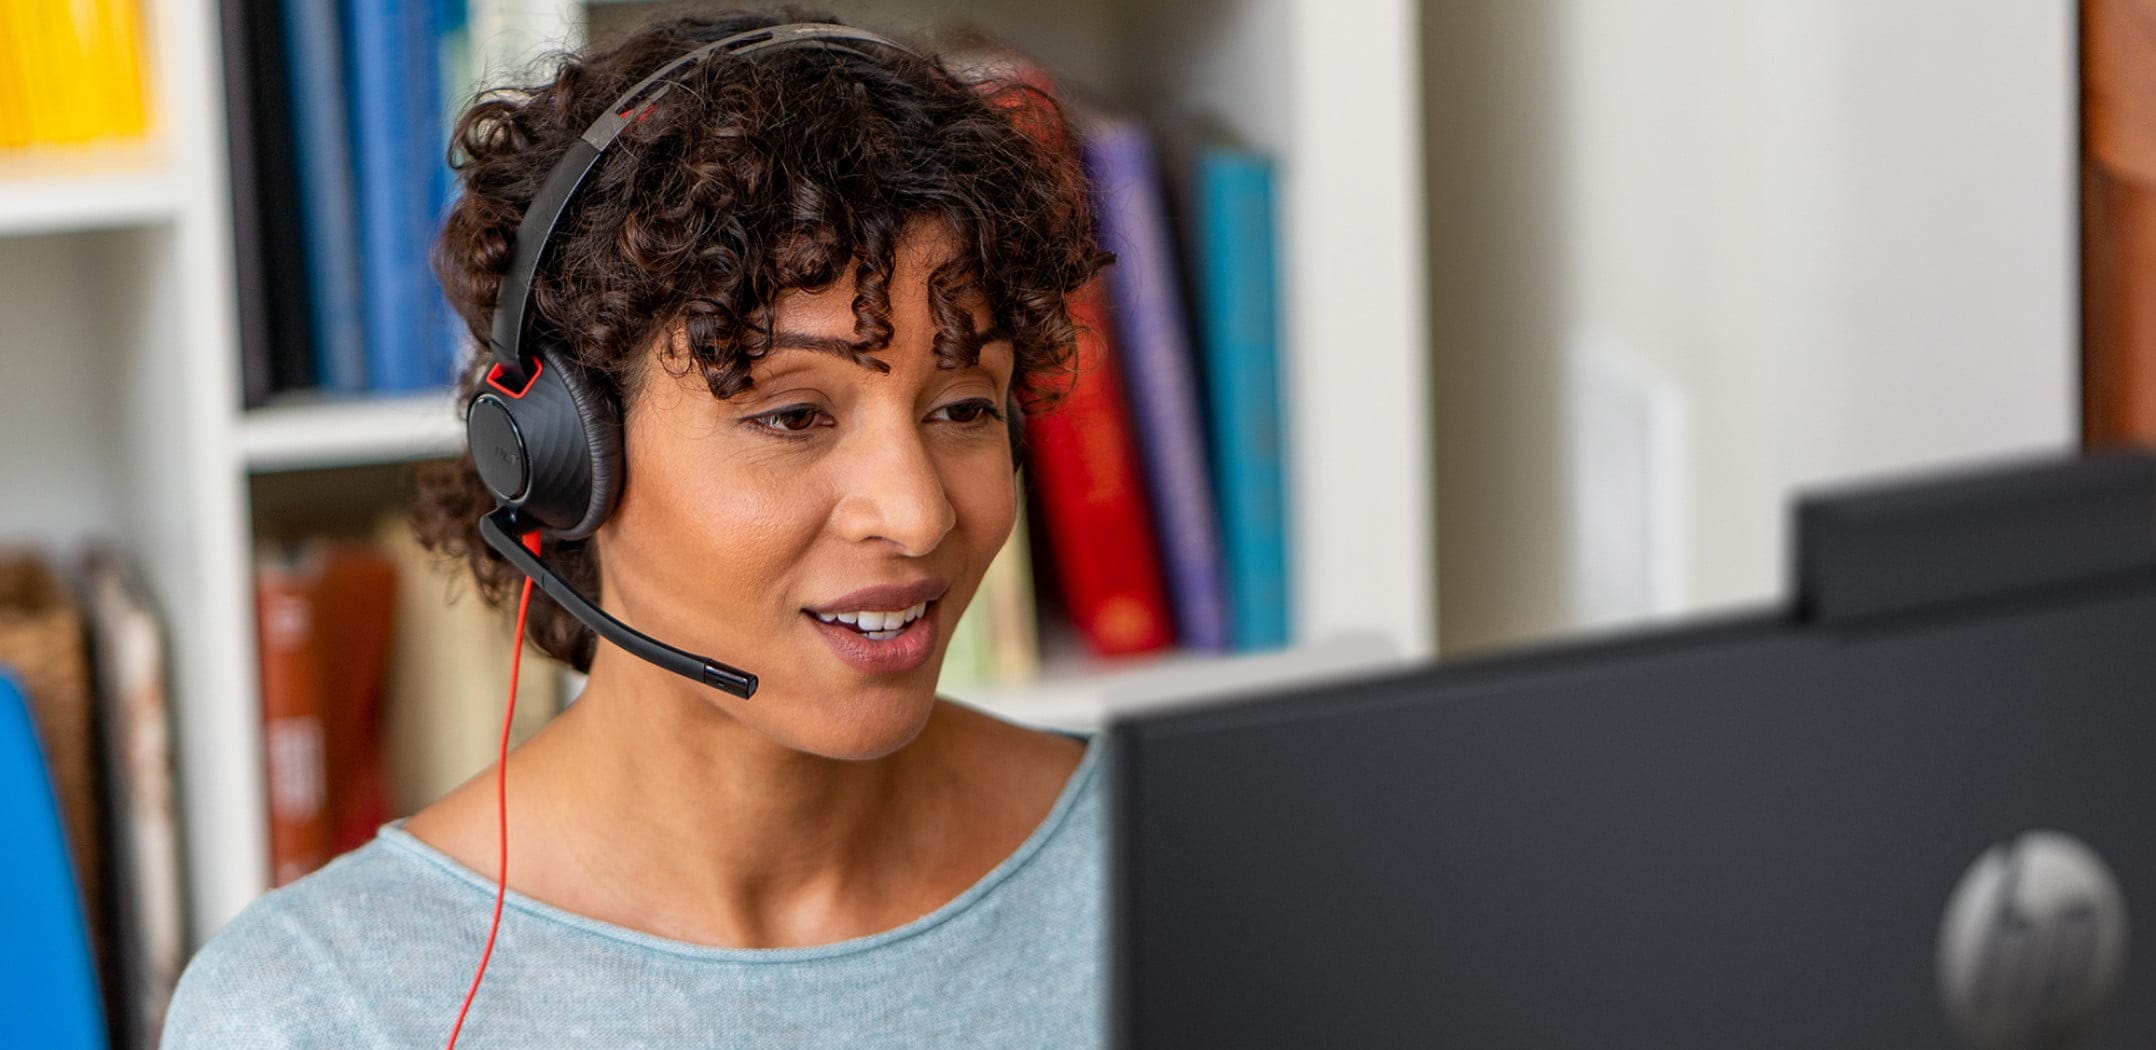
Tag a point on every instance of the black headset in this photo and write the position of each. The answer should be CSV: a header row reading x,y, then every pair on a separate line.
x,y
546,440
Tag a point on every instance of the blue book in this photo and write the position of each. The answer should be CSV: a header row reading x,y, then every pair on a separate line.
x,y
328,206
48,983
1234,199
1158,373
395,118
456,63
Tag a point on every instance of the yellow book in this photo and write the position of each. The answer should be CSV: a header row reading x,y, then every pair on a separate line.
x,y
93,44
449,675
120,23
60,80
27,44
1014,652
14,122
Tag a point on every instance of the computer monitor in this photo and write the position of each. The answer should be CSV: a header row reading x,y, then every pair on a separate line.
x,y
1913,806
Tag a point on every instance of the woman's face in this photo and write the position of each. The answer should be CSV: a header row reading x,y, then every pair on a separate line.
x,y
751,529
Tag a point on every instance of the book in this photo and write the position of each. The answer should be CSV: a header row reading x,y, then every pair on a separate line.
x,y
1233,201
2118,224
147,915
292,736
965,656
1014,642
996,641
355,597
1081,454
315,65
1159,381
393,55
449,675
323,612
269,255
71,72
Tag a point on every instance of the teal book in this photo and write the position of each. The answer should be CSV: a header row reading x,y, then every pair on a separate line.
x,y
1234,200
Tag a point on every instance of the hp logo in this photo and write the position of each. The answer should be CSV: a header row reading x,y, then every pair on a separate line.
x,y
2033,943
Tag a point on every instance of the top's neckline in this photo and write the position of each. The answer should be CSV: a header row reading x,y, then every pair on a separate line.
x,y
394,835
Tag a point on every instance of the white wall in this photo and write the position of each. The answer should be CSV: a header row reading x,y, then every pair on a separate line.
x,y
1763,244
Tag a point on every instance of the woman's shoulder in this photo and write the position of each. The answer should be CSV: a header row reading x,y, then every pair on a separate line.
x,y
274,975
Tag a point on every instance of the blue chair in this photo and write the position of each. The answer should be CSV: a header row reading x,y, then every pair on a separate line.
x,y
48,981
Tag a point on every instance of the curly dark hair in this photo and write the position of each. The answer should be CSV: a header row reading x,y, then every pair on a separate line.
x,y
750,177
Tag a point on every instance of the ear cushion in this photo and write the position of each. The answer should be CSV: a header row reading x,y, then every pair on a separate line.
x,y
602,442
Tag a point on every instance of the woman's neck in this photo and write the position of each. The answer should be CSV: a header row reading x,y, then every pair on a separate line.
x,y
674,818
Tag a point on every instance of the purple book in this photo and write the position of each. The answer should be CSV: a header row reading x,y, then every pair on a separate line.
x,y
1158,372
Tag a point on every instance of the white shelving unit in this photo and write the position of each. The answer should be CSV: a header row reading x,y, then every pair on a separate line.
x,y
121,412
311,436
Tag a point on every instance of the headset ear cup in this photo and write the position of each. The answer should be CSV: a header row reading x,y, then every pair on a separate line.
x,y
601,425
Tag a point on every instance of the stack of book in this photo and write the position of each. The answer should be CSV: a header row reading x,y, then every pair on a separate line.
x,y
382,686
1157,481
339,115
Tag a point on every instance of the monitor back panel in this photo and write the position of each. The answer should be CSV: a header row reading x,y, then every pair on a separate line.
x,y
1740,835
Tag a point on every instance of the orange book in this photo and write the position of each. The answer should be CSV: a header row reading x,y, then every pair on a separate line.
x,y
324,616
2118,222
299,825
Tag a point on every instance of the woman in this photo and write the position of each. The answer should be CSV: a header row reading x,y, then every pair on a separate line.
x,y
811,284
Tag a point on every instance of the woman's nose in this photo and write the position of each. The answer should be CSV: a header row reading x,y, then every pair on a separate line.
x,y
894,492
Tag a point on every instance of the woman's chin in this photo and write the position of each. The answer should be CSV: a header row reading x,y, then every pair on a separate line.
x,y
869,724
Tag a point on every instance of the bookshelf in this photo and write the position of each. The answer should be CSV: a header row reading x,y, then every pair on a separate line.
x,y
102,187
122,412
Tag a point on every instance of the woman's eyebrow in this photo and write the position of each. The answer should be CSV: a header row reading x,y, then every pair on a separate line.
x,y
843,347
827,344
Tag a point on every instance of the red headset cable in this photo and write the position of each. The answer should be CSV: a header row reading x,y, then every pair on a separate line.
x,y
501,797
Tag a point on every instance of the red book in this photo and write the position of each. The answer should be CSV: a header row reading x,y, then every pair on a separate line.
x,y
1083,451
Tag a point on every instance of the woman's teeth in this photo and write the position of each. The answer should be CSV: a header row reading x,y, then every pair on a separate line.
x,y
875,623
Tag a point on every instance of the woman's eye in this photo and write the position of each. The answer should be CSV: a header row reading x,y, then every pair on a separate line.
x,y
974,411
793,419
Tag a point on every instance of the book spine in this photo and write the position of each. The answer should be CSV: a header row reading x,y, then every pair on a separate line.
x,y
1014,644
1082,456
393,185
456,57
965,657
292,732
355,603
250,272
322,149
1086,467
1235,201
1162,391
138,768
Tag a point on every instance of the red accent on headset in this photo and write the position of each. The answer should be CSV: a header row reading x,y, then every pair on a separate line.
x,y
531,541
494,376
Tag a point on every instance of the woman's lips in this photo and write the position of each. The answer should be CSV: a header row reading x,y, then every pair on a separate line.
x,y
864,654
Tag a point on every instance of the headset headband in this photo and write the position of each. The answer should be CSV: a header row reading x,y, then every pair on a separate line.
x,y
512,310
